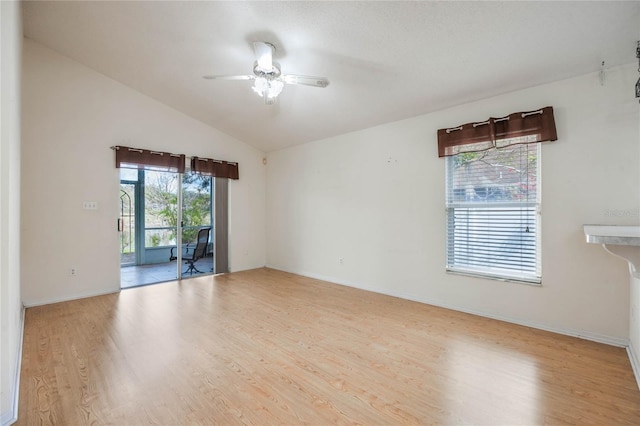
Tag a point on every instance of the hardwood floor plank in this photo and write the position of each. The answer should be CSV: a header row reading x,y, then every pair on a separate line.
x,y
267,347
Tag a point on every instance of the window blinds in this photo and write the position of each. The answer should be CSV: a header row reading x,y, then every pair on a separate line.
x,y
492,206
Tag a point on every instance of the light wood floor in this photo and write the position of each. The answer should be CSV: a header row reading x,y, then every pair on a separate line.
x,y
266,347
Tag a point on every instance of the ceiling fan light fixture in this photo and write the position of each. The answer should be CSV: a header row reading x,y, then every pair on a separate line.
x,y
275,88
260,85
267,88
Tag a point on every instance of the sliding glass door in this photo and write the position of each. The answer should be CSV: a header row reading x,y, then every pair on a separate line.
x,y
127,222
197,224
162,214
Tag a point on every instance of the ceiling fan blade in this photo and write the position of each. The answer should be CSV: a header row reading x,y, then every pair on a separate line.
x,y
264,55
228,77
306,80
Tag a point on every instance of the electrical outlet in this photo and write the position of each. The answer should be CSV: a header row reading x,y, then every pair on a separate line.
x,y
90,205
341,261
72,272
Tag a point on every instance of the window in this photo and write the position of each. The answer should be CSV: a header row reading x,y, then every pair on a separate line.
x,y
492,194
493,213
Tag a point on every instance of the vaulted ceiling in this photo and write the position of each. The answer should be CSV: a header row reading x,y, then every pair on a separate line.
x,y
385,60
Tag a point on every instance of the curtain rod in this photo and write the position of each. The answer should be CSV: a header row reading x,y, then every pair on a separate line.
x,y
116,147
213,159
495,120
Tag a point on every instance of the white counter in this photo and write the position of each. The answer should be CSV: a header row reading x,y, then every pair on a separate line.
x,y
621,241
613,234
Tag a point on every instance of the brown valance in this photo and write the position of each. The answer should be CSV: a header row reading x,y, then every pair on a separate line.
x,y
516,128
215,168
136,158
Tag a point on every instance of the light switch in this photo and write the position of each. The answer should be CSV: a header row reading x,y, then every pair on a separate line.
x,y
90,205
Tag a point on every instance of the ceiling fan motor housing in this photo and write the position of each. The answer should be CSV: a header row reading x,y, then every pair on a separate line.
x,y
269,75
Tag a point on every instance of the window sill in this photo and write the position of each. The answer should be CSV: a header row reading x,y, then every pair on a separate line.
x,y
495,277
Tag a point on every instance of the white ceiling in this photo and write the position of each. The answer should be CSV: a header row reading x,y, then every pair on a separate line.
x,y
385,60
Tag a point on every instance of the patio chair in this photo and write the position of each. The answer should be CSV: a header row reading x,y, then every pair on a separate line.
x,y
194,253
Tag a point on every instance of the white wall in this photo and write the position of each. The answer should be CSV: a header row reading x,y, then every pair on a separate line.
x,y
375,198
634,325
634,321
71,116
10,302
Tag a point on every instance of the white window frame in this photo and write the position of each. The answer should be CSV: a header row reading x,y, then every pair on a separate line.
x,y
491,271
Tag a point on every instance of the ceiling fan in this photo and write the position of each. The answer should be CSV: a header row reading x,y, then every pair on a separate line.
x,y
268,79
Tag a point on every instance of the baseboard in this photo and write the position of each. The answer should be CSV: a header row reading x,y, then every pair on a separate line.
x,y
10,417
635,362
7,419
32,303
595,337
